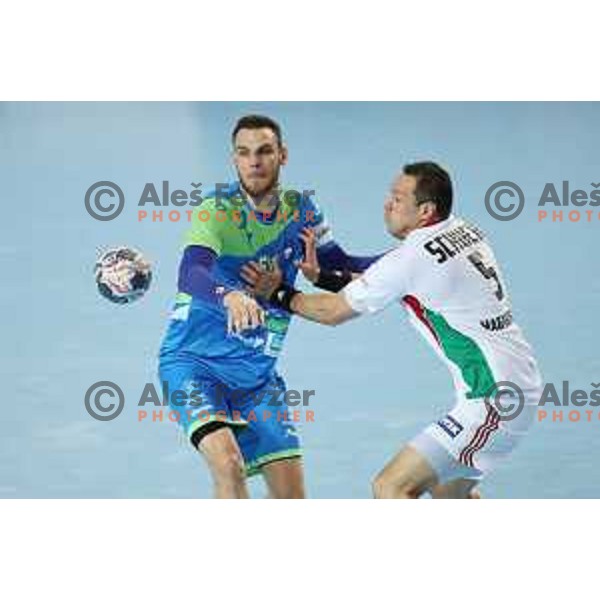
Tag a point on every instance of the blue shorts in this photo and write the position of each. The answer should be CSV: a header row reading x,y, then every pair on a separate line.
x,y
258,417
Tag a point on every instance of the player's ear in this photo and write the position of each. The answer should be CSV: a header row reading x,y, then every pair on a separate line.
x,y
284,155
428,212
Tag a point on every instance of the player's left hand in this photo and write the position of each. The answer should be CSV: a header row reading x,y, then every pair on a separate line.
x,y
261,282
310,264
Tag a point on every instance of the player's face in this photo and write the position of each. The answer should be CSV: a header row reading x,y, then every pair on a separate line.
x,y
401,212
258,157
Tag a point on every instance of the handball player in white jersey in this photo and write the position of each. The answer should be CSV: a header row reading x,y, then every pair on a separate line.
x,y
445,274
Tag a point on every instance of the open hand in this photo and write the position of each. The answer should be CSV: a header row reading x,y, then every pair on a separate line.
x,y
310,264
243,312
261,282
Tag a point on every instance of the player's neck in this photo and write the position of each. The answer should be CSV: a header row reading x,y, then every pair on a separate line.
x,y
430,222
263,202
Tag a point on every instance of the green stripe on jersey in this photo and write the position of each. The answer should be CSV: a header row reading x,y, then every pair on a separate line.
x,y
231,230
465,354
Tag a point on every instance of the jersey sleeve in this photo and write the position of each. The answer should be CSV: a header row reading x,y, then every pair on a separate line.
x,y
205,228
333,257
315,218
382,283
196,274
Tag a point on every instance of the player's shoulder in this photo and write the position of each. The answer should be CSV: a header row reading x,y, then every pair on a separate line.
x,y
218,207
445,240
292,198
453,225
312,215
309,199
213,219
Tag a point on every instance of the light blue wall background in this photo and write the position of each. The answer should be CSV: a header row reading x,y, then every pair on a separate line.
x,y
376,382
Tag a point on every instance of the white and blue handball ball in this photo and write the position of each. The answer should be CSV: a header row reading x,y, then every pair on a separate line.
x,y
123,275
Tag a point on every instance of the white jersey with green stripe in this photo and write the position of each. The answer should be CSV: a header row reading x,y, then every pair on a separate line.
x,y
447,277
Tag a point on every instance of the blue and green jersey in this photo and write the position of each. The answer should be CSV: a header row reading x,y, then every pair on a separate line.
x,y
230,228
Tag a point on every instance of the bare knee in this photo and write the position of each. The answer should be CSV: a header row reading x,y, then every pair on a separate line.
x,y
229,465
292,490
407,475
456,489
379,486
285,479
385,487
291,493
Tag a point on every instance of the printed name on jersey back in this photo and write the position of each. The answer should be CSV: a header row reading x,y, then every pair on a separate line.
x,y
499,322
450,243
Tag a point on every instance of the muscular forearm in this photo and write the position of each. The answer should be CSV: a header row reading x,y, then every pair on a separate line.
x,y
328,309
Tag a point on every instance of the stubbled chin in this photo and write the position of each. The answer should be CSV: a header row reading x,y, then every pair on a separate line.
x,y
394,233
256,188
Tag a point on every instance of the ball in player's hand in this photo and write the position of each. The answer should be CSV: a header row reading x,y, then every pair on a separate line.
x,y
123,275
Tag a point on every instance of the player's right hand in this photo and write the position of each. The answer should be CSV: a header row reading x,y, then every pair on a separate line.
x,y
243,312
310,264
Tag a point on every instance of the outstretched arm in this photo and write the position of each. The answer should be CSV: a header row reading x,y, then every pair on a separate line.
x,y
327,267
383,283
327,309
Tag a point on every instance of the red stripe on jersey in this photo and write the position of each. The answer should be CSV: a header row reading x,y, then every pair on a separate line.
x,y
419,311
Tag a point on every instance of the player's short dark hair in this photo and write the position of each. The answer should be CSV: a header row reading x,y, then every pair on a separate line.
x,y
257,122
433,185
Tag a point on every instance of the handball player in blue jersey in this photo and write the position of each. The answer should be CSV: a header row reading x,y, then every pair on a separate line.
x,y
219,353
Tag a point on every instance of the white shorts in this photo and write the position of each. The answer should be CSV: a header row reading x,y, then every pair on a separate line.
x,y
472,438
